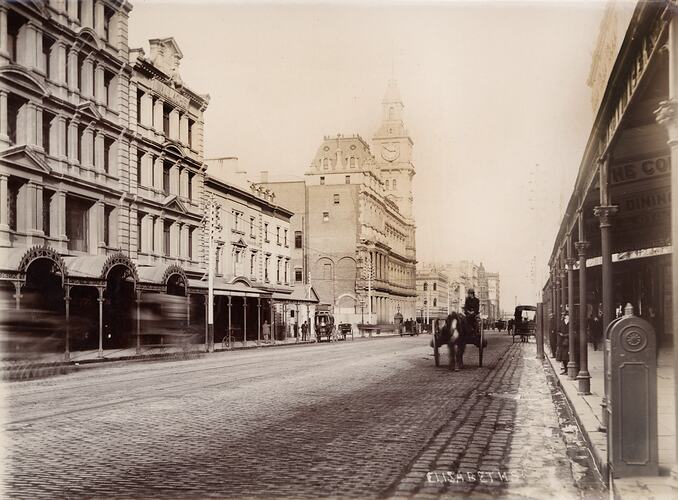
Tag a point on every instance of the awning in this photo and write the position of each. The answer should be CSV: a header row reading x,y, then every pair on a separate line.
x,y
221,287
300,293
98,266
160,273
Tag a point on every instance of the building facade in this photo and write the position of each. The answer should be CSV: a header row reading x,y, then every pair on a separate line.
x,y
353,227
433,295
102,188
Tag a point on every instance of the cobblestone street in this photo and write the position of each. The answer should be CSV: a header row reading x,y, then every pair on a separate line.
x,y
354,419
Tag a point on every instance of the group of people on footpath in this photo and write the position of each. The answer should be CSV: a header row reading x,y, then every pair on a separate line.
x,y
559,338
266,331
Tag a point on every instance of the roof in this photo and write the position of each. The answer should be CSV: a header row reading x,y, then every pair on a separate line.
x,y
299,294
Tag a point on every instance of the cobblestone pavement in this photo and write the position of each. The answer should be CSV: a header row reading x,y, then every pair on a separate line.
x,y
363,419
513,437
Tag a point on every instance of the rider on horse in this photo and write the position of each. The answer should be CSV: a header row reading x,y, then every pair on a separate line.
x,y
472,310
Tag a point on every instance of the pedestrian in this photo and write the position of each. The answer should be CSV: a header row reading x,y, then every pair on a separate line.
x,y
562,350
596,329
266,331
553,334
304,330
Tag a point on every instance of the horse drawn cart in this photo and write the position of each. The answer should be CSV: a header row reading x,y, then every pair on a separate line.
x,y
524,325
456,334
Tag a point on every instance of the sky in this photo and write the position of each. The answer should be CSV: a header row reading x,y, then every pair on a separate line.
x,y
495,99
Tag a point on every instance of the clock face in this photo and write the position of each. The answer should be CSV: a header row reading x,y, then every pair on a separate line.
x,y
390,151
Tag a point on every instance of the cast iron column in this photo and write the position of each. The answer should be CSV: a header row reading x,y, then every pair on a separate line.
x,y
572,362
604,212
584,377
258,321
101,322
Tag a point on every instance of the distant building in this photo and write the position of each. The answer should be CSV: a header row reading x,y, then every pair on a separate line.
x,y
433,295
465,274
352,223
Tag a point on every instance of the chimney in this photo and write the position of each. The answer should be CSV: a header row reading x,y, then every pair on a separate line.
x,y
264,176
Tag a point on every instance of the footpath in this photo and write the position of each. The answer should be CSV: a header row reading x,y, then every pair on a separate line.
x,y
54,364
588,413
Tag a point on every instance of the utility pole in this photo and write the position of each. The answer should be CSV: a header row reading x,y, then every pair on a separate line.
x,y
211,226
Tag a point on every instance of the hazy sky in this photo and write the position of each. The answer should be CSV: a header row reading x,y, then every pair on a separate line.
x,y
495,100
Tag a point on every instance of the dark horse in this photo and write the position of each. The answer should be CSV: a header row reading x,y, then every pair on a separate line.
x,y
457,332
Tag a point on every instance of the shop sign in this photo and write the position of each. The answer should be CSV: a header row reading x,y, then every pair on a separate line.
x,y
169,93
640,170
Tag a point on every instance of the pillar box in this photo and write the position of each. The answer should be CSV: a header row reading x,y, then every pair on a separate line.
x,y
632,396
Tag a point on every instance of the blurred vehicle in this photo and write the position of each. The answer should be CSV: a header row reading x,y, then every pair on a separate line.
x,y
500,324
524,324
324,325
345,329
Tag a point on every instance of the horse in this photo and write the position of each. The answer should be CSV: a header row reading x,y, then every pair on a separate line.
x,y
457,332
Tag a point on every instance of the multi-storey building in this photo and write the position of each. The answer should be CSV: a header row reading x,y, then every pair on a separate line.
x,y
253,256
101,173
353,222
433,294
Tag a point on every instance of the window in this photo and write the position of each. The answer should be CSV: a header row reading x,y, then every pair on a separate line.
x,y
16,121
191,124
166,230
108,224
252,227
108,15
326,216
109,89
277,235
47,119
425,286
252,262
139,156
266,268
266,232
190,185
277,271
394,184
336,199
285,238
387,185
14,24
297,239
298,276
322,180
286,280
236,220
327,271
165,180
47,44
108,152
140,94
77,224
140,218
326,164
46,215
348,179
435,286
435,302
352,162
166,110
13,188
190,242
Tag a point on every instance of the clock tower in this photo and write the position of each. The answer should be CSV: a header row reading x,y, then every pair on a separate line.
x,y
393,151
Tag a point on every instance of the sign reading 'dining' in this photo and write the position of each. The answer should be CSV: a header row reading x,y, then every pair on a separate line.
x,y
640,170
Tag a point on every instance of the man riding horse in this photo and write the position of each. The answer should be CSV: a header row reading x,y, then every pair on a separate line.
x,y
472,310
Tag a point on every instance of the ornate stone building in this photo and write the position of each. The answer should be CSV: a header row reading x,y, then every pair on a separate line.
x,y
354,221
433,294
101,174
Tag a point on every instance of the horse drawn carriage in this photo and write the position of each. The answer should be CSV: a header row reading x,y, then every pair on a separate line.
x,y
524,325
458,332
324,325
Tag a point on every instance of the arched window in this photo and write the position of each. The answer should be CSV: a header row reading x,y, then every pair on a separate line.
x,y
386,184
352,161
425,286
394,184
326,163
